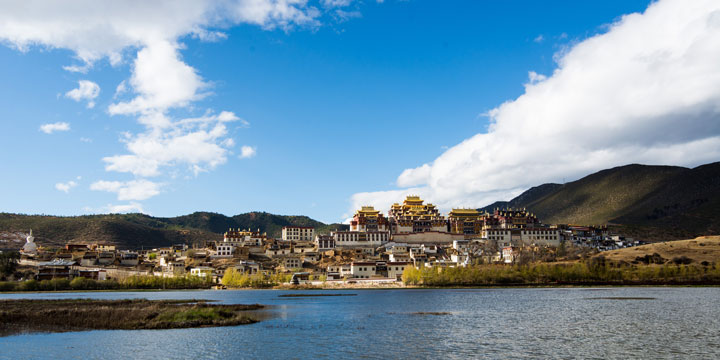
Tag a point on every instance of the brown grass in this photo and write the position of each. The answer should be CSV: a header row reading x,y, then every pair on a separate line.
x,y
704,248
18,316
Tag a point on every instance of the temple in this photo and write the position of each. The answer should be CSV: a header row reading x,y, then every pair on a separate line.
x,y
368,219
413,216
239,237
466,221
511,219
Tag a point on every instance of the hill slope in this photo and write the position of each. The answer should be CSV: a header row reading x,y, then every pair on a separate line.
x,y
137,230
706,248
649,202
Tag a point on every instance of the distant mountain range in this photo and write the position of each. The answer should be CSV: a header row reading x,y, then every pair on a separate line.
x,y
138,230
647,202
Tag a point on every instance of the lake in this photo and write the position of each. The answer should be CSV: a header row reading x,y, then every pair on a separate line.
x,y
644,322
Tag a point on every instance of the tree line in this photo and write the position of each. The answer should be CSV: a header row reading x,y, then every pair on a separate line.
x,y
591,271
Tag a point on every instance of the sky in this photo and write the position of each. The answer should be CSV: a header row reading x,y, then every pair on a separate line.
x,y
319,107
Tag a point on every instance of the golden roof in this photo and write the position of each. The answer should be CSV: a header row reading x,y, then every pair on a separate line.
x,y
464,212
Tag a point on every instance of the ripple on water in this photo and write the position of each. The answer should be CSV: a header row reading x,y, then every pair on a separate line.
x,y
492,323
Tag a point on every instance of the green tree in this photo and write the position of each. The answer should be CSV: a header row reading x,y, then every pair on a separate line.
x,y
8,262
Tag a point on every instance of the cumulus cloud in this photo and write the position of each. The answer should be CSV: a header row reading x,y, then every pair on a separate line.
x,y
53,127
65,187
147,36
200,144
247,152
645,91
86,90
128,190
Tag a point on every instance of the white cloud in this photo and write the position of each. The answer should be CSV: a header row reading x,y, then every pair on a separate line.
x,y
161,80
65,187
120,89
646,91
201,144
148,35
83,69
336,3
538,39
535,77
132,207
86,90
51,128
247,152
128,190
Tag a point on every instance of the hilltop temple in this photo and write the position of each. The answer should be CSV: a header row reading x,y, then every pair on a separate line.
x,y
368,219
414,216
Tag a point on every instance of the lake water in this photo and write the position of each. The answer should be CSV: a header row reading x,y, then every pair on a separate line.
x,y
483,323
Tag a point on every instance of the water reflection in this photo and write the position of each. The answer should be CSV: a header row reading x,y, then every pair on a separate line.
x,y
494,323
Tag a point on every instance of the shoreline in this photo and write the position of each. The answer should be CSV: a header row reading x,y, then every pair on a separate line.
x,y
336,288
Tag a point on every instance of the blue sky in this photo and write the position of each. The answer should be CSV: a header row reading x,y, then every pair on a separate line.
x,y
335,108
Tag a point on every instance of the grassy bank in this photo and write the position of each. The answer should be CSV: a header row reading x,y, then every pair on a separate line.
x,y
595,271
18,316
131,283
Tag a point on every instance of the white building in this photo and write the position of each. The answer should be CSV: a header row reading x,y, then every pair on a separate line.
x,y
359,238
222,250
395,269
204,272
362,270
324,242
541,236
399,257
298,233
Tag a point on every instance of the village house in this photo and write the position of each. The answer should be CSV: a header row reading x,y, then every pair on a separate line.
x,y
292,262
129,258
396,269
362,270
204,272
106,258
55,269
278,251
324,243
89,259
247,267
93,274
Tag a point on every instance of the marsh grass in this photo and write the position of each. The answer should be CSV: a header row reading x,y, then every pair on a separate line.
x,y
17,316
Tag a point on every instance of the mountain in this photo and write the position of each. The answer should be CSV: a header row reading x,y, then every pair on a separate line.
x,y
529,196
137,230
648,202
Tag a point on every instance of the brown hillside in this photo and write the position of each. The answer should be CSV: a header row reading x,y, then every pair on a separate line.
x,y
704,248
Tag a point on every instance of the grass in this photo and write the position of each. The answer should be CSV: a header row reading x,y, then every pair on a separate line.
x,y
698,250
19,316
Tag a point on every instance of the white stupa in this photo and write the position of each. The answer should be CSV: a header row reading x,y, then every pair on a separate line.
x,y
30,248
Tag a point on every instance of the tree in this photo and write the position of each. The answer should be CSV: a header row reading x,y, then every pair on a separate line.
x,y
8,262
